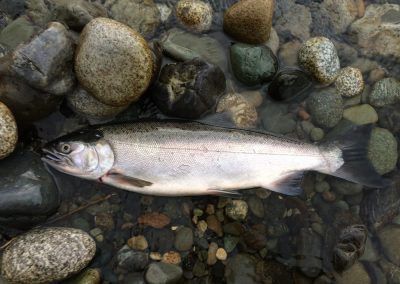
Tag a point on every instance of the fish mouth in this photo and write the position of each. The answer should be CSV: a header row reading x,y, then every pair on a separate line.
x,y
53,158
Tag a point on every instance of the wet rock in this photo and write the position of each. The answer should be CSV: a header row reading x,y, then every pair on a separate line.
x,y
132,260
230,243
214,225
377,33
273,42
184,46
249,21
382,150
200,269
290,85
184,239
253,65
160,240
221,254
274,272
256,237
256,206
349,82
82,103
389,240
318,57
171,257
275,118
347,9
355,275
389,118
88,276
138,243
309,249
165,11
317,134
8,131
46,255
120,79
211,253
325,107
142,16
345,187
189,89
288,53
240,269
163,273
385,92
194,15
14,8
50,52
154,219
18,31
27,191
361,114
370,253
243,113
392,272
237,210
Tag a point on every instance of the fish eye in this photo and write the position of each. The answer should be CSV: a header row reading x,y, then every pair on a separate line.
x,y
65,148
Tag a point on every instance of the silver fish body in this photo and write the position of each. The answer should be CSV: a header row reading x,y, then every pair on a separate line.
x,y
168,158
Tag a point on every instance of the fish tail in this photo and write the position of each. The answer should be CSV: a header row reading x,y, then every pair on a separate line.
x,y
357,168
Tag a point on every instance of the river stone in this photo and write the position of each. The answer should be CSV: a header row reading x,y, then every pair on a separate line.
x,y
46,255
390,242
237,210
163,273
240,269
249,21
347,9
184,239
18,31
385,92
142,16
325,107
195,15
354,275
382,150
253,65
8,131
318,56
349,82
88,276
361,114
114,80
243,113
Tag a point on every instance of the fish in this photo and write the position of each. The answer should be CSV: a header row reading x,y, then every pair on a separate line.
x,y
175,158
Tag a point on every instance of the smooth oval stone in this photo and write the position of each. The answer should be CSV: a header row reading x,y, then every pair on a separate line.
x,y
8,131
194,15
290,85
113,62
46,255
189,89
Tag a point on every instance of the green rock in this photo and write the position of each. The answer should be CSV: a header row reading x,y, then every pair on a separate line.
x,y
361,114
18,31
382,150
325,107
184,239
237,210
230,243
317,134
253,65
385,92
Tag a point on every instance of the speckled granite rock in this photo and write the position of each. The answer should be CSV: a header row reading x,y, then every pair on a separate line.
x,y
8,131
46,255
349,82
385,92
195,15
382,150
318,56
114,80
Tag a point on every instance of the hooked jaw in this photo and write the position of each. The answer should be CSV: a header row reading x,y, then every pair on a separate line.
x,y
56,160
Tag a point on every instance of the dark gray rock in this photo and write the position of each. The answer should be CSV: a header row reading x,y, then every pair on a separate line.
x,y
309,248
13,8
184,239
163,273
132,260
240,269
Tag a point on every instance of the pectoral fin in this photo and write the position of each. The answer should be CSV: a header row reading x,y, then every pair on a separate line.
x,y
122,181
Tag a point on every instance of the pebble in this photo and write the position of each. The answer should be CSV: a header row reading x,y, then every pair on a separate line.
x,y
249,21
210,210
273,42
318,56
171,257
288,53
154,219
104,220
132,260
88,276
382,150
8,131
17,32
114,80
376,74
253,65
202,226
230,242
211,254
385,92
389,240
256,206
317,134
184,239
329,196
276,118
195,15
163,273
234,228
47,255
237,210
361,114
221,254
214,225
240,269
349,82
322,186
354,275
155,256
138,243
325,107
345,187
243,113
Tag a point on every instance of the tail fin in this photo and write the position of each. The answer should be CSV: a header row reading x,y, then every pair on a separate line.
x,y
357,168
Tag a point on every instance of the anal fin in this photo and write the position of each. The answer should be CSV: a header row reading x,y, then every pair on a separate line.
x,y
122,181
289,184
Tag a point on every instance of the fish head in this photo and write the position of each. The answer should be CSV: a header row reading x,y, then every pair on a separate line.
x,y
77,156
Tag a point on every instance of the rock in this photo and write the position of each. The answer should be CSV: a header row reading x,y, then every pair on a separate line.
x,y
163,273
355,275
378,33
154,219
243,114
317,134
189,89
142,16
273,42
256,206
249,21
221,254
288,53
194,15
345,187
46,255
28,193
309,247
8,131
160,240
276,119
135,277
318,56
18,31
361,114
13,8
347,9
370,253
389,241
184,46
325,107
385,92
184,239
200,269
211,254
82,103
122,78
51,52
237,210
349,82
214,225
165,11
389,118
290,85
138,243
230,243
382,150
88,276
240,269
171,257
253,65
132,260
